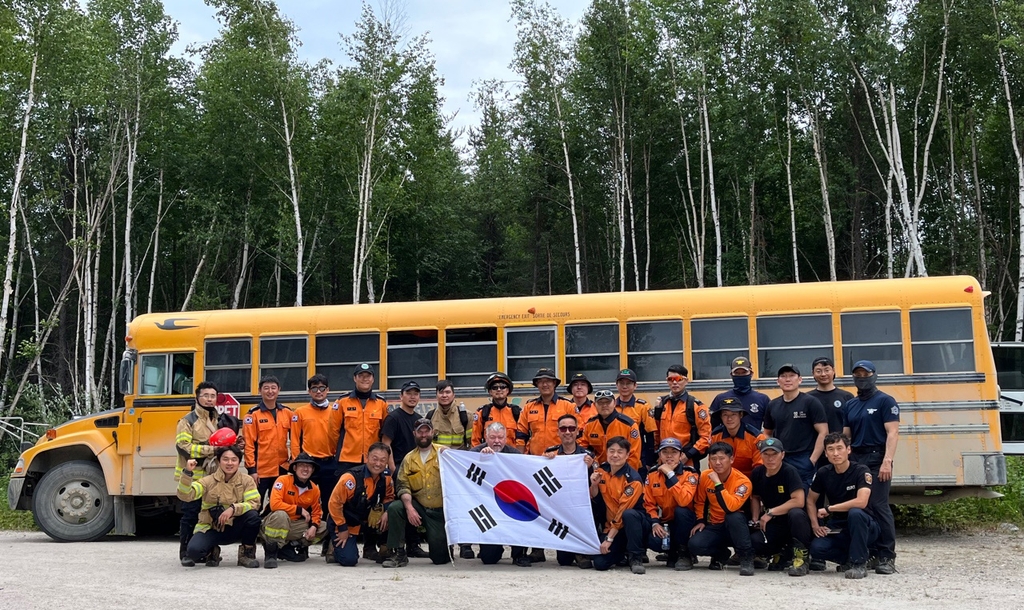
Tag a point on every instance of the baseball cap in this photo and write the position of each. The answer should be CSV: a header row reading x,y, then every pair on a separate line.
x,y
365,367
603,395
787,368
626,374
423,421
670,443
731,404
823,360
770,444
410,385
867,365
740,363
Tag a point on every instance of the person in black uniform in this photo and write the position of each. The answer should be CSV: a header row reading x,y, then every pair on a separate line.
x,y
778,508
798,421
872,422
830,397
849,527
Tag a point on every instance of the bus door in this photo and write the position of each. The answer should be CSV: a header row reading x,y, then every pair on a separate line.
x,y
1009,359
164,396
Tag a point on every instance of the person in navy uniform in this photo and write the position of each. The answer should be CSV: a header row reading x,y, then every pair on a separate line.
x,y
754,402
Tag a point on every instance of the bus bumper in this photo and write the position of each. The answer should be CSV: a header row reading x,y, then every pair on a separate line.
x,y
984,469
14,491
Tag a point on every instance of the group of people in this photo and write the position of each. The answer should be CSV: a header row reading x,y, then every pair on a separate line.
x,y
791,482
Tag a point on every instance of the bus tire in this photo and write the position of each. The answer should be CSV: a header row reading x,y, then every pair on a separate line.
x,y
71,503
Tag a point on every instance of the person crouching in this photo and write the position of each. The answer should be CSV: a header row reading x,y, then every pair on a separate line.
x,y
296,517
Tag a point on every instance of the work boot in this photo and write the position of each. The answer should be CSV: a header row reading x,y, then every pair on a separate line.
x,y
799,567
636,565
537,556
383,553
816,565
523,561
213,557
584,563
776,564
662,557
270,555
398,559
872,562
415,551
329,554
247,556
715,565
857,571
760,563
670,559
843,567
886,566
186,561
734,560
747,566
293,552
370,552
466,551
684,563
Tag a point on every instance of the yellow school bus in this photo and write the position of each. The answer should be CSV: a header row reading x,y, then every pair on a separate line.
x,y
927,337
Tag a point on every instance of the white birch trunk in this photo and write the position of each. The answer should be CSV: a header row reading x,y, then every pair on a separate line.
x,y
131,132
300,243
572,192
156,242
789,188
195,276
711,188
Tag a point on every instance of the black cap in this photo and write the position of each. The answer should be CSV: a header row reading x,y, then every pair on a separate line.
x,y
787,368
423,421
410,385
546,374
731,404
365,367
770,444
626,374
741,363
579,377
304,458
823,360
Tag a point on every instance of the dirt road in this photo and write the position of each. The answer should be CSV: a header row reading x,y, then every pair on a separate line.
x,y
962,572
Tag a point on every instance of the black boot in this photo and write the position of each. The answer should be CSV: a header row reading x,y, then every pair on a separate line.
x,y
186,561
269,555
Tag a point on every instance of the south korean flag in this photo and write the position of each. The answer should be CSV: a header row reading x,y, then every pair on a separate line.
x,y
518,500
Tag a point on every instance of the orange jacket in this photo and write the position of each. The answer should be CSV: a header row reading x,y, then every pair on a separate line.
x,y
351,502
689,422
588,410
620,492
663,495
639,411
285,496
313,432
266,440
735,491
744,446
358,426
596,433
538,424
508,416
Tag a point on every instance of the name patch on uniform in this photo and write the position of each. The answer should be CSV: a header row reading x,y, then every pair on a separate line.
x,y
350,484
290,492
350,408
278,485
595,436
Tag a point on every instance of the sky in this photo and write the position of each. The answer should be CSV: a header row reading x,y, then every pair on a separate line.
x,y
472,40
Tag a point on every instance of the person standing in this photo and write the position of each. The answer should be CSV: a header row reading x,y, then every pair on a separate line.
x,y
798,421
639,411
579,389
313,433
872,422
830,397
681,416
451,422
538,422
398,429
499,386
755,402
358,417
267,426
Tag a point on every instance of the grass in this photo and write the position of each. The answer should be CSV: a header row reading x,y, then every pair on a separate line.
x,y
18,520
972,513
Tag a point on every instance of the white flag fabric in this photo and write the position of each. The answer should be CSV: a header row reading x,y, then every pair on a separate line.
x,y
520,500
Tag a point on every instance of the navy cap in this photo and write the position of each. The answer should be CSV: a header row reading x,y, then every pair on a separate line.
x,y
546,374
410,385
626,374
770,444
579,377
365,367
825,360
740,363
788,368
867,365
670,443
731,404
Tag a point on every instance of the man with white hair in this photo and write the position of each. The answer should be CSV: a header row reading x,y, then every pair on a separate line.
x,y
496,441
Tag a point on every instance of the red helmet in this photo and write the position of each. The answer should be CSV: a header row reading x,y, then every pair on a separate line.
x,y
223,437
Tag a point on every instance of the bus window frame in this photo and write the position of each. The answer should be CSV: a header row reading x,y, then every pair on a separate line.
x,y
682,345
168,367
519,328
617,354
904,327
747,352
386,368
910,343
443,351
225,339
271,368
351,365
820,313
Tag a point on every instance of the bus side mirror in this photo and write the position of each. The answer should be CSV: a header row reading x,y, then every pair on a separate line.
x,y
126,372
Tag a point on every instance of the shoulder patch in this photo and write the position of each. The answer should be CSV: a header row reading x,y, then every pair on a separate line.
x,y
703,414
278,485
634,434
295,417
350,484
741,491
476,417
650,412
867,478
335,407
629,491
248,419
692,480
895,410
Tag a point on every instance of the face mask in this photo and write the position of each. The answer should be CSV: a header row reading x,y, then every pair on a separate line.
x,y
741,383
865,384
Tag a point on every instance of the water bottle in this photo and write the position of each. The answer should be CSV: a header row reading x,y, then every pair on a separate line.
x,y
665,542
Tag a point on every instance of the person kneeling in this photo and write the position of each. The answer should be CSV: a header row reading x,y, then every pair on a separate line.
x,y
230,513
616,488
296,518
721,493
359,504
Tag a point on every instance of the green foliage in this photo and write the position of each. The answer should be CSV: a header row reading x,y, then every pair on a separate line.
x,y
968,513
16,520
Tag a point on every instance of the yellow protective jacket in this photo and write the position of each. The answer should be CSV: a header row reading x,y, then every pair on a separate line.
x,y
192,441
421,480
238,491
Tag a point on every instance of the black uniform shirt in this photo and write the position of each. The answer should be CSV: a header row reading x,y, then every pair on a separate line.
x,y
778,489
838,488
833,402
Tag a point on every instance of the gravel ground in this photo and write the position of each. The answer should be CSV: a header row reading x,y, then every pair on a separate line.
x,y
936,571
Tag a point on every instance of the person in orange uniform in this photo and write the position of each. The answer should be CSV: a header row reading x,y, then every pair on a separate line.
x,y
617,489
721,492
359,504
609,423
314,434
358,417
295,518
579,389
681,416
668,492
538,422
639,411
266,430
499,386
743,437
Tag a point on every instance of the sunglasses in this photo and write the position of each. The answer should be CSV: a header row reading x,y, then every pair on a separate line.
x,y
318,388
567,428
499,386
675,378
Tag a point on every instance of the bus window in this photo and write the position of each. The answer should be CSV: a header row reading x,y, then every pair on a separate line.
x,y
529,349
229,364
165,374
942,340
592,349
653,347
285,358
873,335
471,355
715,343
337,356
412,356
792,340
1009,366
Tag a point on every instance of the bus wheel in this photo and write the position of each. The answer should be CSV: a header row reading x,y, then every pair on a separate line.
x,y
71,503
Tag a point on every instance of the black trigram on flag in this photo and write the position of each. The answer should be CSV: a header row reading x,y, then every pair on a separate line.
x,y
558,528
547,481
475,474
483,519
